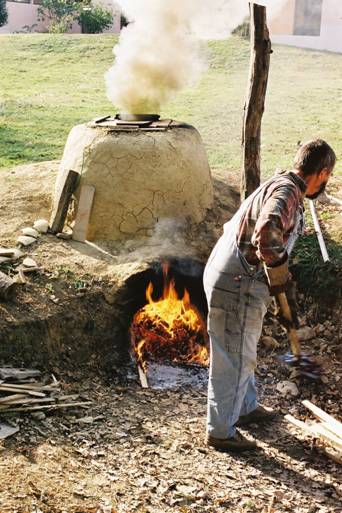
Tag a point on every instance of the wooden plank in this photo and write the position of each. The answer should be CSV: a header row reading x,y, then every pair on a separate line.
x,y
83,213
336,456
142,377
18,374
327,436
298,423
61,205
322,415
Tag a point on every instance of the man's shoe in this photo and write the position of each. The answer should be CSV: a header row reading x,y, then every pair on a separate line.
x,y
237,443
259,415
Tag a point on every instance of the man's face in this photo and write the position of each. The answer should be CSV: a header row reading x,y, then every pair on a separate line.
x,y
318,183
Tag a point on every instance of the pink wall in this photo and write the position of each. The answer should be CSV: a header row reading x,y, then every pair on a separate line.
x,y
20,14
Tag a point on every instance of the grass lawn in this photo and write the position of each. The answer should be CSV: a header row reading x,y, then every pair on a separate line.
x,y
48,83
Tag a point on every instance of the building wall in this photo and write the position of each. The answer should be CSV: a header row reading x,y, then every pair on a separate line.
x,y
283,26
26,14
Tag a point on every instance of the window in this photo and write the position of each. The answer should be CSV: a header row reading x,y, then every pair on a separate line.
x,y
308,17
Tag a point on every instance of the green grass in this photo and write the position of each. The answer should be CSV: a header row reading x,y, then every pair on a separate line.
x,y
48,83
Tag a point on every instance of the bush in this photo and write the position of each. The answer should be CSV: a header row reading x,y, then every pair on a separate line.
x,y
94,19
3,13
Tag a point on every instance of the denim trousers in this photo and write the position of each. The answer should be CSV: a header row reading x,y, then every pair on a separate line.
x,y
237,304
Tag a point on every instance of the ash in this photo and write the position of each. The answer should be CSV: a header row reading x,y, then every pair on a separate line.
x,y
168,376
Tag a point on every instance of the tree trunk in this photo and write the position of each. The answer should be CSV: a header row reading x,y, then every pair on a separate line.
x,y
255,101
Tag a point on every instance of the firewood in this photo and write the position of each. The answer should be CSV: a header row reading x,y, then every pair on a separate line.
x,y
26,390
61,206
334,424
11,398
48,407
335,441
27,400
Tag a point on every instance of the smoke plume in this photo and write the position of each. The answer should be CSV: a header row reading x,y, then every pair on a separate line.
x,y
161,51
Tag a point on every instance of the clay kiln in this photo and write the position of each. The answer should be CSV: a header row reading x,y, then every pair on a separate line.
x,y
142,171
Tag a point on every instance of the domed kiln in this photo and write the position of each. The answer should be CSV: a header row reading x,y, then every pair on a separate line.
x,y
142,172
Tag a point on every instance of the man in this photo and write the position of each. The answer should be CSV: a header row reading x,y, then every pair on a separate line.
x,y
249,264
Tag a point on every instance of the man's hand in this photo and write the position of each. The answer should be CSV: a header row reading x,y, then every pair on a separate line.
x,y
278,277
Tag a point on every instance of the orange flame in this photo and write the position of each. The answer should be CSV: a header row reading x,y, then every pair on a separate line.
x,y
169,328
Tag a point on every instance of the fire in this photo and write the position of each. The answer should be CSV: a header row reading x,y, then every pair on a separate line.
x,y
169,329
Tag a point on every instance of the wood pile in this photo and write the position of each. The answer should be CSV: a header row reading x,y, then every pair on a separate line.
x,y
24,390
325,428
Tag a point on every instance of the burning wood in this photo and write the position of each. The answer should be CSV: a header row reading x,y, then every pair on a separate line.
x,y
169,329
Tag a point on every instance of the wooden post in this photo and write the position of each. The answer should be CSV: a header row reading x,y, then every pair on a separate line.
x,y
61,205
255,100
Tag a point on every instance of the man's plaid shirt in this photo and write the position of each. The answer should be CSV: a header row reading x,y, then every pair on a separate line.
x,y
270,219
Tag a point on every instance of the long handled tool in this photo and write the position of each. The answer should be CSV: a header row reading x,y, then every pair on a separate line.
x,y
305,364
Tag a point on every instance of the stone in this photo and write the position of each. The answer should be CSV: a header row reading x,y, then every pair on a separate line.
x,y
41,225
29,262
141,178
287,388
31,232
270,342
25,240
306,333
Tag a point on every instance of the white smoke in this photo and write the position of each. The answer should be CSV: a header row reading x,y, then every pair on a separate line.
x,y
160,52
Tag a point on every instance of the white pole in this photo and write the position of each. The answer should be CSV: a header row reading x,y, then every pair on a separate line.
x,y
319,232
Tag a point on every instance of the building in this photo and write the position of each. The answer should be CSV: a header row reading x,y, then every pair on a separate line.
x,y
315,24
23,18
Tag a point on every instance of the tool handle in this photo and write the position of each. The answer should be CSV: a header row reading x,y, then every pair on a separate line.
x,y
293,337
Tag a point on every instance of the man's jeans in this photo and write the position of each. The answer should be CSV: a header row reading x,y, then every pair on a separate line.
x,y
234,324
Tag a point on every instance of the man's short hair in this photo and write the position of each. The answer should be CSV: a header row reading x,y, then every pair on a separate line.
x,y
313,156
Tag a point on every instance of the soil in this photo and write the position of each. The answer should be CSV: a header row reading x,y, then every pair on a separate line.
x,y
137,450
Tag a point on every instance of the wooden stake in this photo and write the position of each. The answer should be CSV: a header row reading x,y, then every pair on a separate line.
x,y
255,101
142,377
61,205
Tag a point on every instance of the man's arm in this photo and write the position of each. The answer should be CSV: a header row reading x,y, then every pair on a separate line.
x,y
276,218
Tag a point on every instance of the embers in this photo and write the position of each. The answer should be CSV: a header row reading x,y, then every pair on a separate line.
x,y
169,328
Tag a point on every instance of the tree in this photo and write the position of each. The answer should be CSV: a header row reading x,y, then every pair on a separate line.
x,y
94,19
3,13
61,14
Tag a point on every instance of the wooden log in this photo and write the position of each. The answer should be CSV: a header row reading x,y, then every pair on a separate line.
x,y
83,213
61,205
255,101
334,424
7,287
